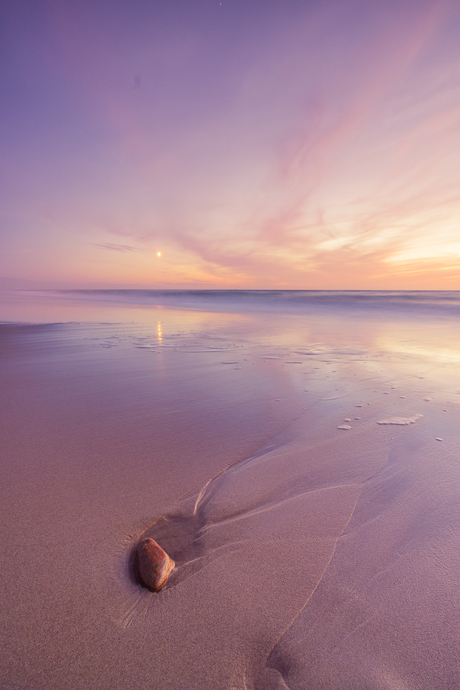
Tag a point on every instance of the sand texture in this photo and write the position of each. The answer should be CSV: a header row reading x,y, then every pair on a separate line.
x,y
306,555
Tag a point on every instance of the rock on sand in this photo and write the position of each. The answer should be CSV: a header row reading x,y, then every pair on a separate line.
x,y
153,565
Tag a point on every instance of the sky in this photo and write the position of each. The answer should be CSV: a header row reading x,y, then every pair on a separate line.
x,y
242,144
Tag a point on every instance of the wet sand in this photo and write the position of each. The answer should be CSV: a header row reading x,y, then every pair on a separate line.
x,y
306,555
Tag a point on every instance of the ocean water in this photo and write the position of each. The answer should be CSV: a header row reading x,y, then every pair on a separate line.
x,y
413,328
295,301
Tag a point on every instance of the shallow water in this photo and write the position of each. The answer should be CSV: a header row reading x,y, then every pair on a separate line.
x,y
315,546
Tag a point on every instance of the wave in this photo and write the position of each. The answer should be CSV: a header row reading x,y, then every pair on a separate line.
x,y
275,300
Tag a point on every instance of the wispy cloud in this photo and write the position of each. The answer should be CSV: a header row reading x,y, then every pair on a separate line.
x,y
117,247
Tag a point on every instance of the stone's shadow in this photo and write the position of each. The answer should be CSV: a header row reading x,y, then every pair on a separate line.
x,y
131,566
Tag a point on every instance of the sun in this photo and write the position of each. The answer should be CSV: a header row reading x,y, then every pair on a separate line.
x,y
158,253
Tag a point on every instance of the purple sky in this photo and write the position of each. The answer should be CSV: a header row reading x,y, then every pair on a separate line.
x,y
255,144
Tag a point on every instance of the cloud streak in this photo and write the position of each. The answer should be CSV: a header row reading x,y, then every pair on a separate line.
x,y
117,247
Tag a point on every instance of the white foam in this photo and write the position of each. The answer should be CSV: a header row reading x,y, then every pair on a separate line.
x,y
401,421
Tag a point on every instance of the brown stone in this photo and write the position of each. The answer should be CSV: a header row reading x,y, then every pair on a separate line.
x,y
153,565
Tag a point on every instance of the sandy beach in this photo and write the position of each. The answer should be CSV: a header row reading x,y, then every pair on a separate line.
x,y
299,464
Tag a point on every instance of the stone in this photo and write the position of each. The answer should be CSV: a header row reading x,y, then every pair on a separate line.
x,y
153,565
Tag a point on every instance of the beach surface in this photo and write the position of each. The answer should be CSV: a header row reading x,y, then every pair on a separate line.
x,y
297,457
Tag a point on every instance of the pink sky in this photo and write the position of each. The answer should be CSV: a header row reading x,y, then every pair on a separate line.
x,y
265,144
